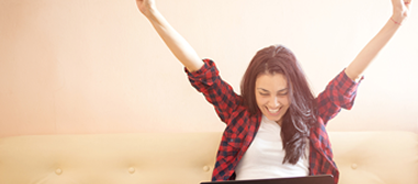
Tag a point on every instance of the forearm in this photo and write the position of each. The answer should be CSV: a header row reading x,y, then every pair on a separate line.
x,y
370,51
365,57
181,49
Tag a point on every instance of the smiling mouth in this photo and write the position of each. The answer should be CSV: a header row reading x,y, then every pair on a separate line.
x,y
273,111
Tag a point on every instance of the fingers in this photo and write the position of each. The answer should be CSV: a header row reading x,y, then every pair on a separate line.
x,y
400,3
408,3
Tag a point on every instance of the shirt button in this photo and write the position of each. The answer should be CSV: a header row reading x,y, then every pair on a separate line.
x,y
131,170
354,166
206,168
58,171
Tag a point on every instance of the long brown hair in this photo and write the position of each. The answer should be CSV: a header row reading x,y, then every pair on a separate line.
x,y
300,116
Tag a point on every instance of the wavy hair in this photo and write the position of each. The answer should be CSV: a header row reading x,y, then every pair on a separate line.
x,y
300,117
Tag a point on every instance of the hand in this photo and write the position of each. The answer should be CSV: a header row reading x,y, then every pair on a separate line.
x,y
145,6
400,9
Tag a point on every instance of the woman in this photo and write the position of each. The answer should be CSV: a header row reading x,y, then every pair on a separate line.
x,y
276,128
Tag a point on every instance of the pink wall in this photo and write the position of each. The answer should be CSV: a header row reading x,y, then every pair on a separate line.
x,y
89,66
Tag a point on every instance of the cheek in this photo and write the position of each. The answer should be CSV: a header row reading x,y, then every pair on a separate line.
x,y
285,101
260,100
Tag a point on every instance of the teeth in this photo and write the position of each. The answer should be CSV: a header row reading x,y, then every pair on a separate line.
x,y
273,111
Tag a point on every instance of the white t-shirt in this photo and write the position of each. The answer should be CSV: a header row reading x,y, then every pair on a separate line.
x,y
264,157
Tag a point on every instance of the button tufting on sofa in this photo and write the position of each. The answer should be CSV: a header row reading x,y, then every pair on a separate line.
x,y
131,170
58,171
186,158
206,168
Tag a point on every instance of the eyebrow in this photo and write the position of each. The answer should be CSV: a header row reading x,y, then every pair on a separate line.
x,y
265,90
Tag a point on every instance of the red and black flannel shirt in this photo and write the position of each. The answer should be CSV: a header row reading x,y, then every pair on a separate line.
x,y
242,127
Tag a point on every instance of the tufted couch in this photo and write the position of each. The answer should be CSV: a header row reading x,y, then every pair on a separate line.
x,y
185,158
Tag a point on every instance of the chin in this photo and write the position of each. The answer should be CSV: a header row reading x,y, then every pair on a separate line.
x,y
274,118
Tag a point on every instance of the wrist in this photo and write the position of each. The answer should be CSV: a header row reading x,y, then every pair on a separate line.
x,y
149,10
153,15
397,19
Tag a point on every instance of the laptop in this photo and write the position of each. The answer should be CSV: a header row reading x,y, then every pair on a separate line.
x,y
316,179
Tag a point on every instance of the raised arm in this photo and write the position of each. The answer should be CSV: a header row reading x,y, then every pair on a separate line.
x,y
369,52
175,42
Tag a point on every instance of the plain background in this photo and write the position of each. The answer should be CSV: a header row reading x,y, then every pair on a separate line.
x,y
98,66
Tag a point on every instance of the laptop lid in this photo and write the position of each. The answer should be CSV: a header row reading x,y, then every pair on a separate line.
x,y
317,179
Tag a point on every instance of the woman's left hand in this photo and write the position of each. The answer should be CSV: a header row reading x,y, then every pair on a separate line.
x,y
400,10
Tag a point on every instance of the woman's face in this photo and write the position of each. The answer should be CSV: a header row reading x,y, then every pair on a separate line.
x,y
271,94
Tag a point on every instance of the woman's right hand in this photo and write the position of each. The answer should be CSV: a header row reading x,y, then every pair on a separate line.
x,y
145,6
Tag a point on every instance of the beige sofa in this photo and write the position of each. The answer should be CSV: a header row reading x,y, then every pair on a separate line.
x,y
185,158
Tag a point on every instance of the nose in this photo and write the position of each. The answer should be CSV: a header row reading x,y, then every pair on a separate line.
x,y
274,102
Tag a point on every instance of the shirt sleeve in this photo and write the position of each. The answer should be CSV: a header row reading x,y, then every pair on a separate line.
x,y
216,91
339,93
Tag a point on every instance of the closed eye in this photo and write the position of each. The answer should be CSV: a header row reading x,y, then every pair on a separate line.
x,y
264,94
283,93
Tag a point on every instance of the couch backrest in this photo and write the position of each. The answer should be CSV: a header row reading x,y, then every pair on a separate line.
x,y
376,157
185,158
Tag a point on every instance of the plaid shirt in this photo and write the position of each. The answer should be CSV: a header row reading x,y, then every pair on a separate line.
x,y
242,126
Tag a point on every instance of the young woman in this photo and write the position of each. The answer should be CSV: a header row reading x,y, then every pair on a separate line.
x,y
276,127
